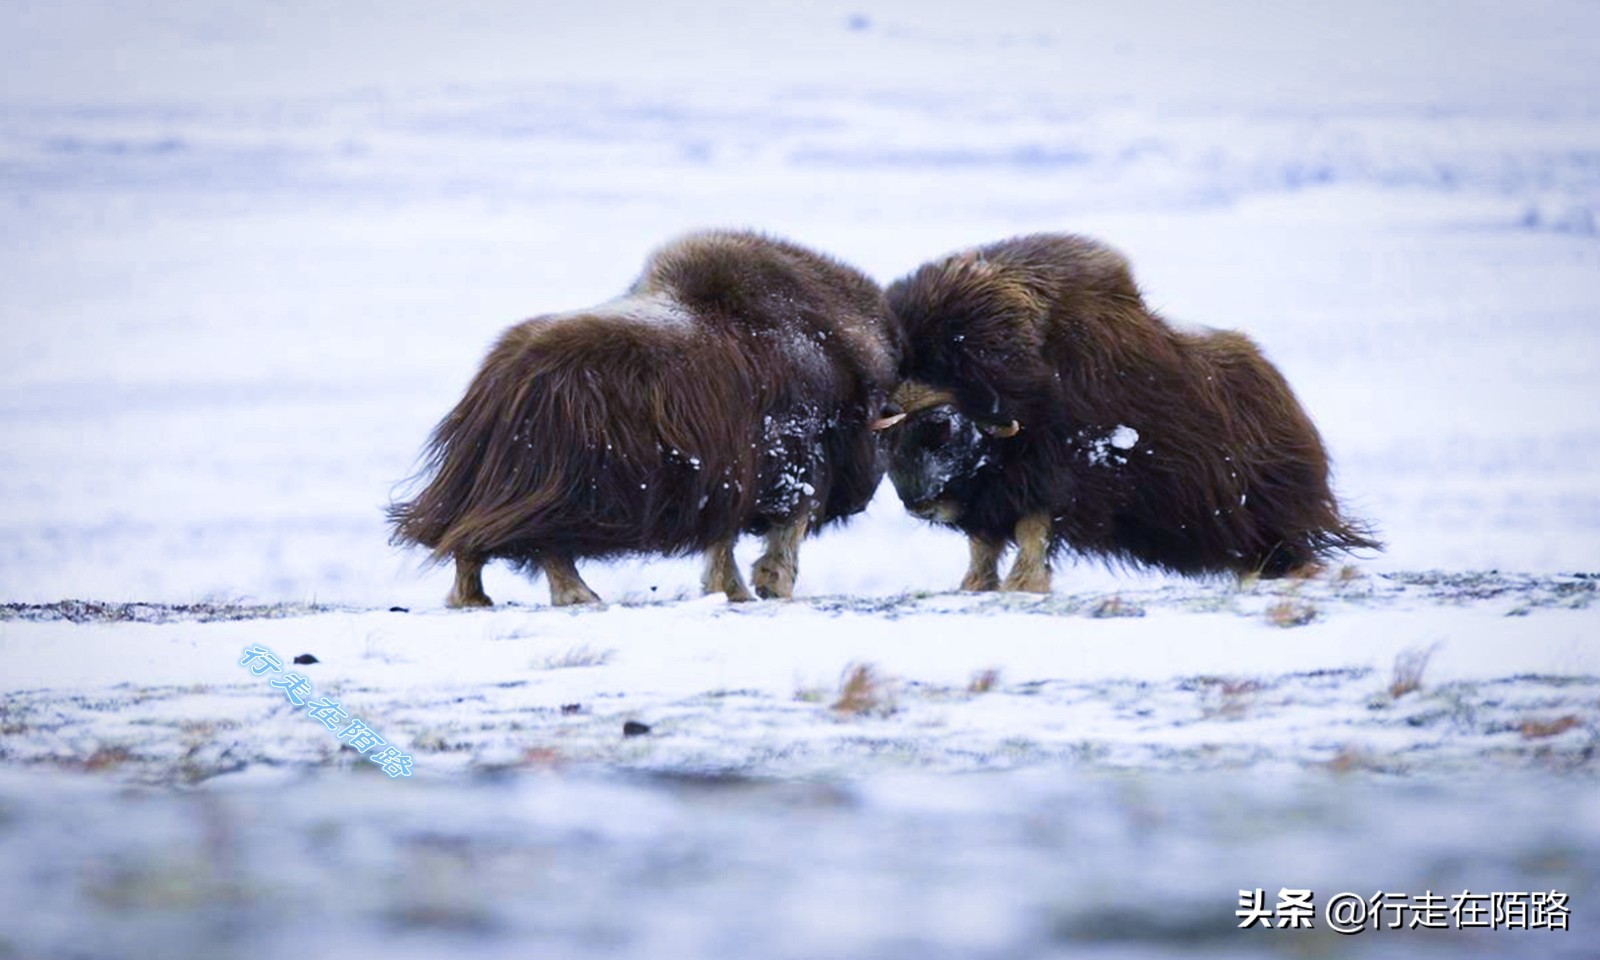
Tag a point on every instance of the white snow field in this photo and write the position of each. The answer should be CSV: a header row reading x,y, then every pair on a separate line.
x,y
253,253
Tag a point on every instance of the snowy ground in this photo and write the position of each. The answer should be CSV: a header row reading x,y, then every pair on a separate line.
x,y
252,255
1084,773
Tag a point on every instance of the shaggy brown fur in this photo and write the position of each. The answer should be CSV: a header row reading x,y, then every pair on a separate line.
x,y
1049,333
728,392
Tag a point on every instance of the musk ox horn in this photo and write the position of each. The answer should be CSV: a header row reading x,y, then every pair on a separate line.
x,y
1009,430
884,423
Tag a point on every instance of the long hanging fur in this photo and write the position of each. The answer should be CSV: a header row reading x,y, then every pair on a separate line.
x,y
730,389
1227,473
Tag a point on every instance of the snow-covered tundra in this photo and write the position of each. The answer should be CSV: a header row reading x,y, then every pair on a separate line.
x,y
254,251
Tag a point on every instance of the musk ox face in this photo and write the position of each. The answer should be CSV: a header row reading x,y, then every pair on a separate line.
x,y
934,455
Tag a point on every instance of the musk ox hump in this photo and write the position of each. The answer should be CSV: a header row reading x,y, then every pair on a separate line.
x,y
651,309
744,282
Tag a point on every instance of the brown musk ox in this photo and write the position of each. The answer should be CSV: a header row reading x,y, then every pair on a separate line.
x,y
1044,404
731,390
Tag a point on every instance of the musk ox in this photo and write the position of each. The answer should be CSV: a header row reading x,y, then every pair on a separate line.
x,y
731,390
1044,404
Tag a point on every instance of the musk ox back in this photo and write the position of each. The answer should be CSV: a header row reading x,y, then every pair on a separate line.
x,y
729,391
1044,404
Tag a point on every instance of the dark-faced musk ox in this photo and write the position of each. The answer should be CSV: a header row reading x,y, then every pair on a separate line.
x,y
1043,404
731,390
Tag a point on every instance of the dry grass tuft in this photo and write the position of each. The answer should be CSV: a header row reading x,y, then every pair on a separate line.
x,y
1226,697
1307,571
1408,668
1538,729
1351,759
11,723
1290,612
810,694
582,655
864,692
542,758
106,758
984,680
1115,606
1237,696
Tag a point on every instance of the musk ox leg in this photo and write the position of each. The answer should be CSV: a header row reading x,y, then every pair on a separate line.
x,y
566,587
468,590
722,573
983,572
1291,560
1031,572
774,573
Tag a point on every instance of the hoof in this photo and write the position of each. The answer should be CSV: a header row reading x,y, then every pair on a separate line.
x,y
1034,583
980,584
733,586
773,581
1307,571
455,602
573,596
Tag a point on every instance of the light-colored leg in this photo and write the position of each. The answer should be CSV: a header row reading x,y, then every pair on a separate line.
x,y
722,573
983,572
775,572
1310,570
468,590
1031,572
566,587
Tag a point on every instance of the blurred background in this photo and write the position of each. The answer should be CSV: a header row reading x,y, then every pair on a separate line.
x,y
252,254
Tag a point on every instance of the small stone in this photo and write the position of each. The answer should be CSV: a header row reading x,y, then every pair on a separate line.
x,y
568,709
306,658
634,728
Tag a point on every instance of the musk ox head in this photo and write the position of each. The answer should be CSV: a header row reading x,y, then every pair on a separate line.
x,y
935,451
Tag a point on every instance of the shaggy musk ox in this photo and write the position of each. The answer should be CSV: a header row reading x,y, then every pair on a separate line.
x,y
731,390
1044,404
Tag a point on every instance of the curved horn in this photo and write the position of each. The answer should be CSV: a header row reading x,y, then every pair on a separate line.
x,y
1009,430
884,423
